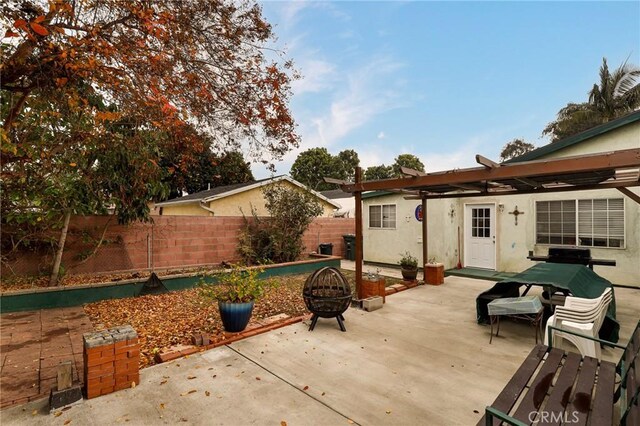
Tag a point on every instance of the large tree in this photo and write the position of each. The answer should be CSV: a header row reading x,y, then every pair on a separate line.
x,y
95,92
407,160
350,161
313,165
378,172
515,148
615,95
208,171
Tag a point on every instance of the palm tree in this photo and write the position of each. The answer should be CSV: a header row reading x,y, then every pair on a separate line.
x,y
617,94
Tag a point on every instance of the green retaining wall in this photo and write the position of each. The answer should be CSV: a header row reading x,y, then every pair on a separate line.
x,y
28,300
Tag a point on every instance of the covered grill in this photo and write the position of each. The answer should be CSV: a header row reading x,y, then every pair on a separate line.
x,y
327,294
580,256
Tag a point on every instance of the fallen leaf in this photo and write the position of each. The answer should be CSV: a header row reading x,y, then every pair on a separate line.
x,y
258,378
207,393
67,421
191,377
350,421
214,376
162,406
388,411
163,382
192,391
34,412
283,423
305,388
322,393
57,413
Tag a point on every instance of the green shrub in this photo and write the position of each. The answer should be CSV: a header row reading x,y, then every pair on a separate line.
x,y
278,238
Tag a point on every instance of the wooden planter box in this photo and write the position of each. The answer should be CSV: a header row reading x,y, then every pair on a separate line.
x,y
434,273
373,288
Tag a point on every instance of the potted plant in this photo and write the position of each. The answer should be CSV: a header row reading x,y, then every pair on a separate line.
x,y
236,290
409,265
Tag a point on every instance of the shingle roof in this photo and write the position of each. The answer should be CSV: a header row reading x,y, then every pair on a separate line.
x,y
332,194
221,191
580,137
218,190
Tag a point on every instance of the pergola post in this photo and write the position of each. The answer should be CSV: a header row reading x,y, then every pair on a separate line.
x,y
425,245
358,196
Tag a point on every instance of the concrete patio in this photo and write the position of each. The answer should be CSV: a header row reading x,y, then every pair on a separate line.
x,y
422,359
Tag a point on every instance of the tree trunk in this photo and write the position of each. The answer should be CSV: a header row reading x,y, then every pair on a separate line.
x,y
58,260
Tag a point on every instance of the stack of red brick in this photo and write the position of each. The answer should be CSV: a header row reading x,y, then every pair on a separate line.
x,y
111,360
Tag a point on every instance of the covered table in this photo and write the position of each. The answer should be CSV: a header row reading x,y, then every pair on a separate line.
x,y
579,280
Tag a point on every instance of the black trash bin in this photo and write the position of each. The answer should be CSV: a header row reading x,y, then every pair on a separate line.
x,y
326,248
349,246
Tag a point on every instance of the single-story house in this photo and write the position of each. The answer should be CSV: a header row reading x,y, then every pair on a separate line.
x,y
498,232
234,200
345,199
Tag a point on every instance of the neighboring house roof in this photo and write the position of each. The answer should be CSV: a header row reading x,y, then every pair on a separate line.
x,y
227,190
336,193
575,139
375,194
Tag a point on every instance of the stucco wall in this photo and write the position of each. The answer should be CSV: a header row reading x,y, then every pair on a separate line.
x,y
186,209
513,243
627,137
233,204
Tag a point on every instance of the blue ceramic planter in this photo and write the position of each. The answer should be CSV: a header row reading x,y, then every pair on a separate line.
x,y
235,316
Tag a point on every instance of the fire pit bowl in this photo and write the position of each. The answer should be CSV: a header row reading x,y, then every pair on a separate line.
x,y
327,294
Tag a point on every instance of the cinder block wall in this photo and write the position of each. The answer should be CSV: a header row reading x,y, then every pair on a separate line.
x,y
168,242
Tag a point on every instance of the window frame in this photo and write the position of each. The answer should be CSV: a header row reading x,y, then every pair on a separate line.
x,y
382,206
576,201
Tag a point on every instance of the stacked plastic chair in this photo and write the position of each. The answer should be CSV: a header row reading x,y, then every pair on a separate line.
x,y
582,316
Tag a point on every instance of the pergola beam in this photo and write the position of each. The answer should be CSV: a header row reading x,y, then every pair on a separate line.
x,y
635,197
489,164
529,182
629,158
620,186
411,172
336,181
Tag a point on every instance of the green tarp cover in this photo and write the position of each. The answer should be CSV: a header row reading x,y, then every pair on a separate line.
x,y
579,280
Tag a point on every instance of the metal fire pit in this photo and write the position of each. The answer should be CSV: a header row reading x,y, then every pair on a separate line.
x,y
327,295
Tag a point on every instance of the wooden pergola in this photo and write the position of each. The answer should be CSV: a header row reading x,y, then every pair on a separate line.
x,y
615,169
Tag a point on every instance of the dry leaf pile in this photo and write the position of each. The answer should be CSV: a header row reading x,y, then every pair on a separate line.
x,y
26,282
172,318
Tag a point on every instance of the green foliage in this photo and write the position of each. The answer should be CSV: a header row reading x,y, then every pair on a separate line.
x,y
617,94
408,261
515,148
278,238
378,172
236,285
313,165
207,170
407,160
350,161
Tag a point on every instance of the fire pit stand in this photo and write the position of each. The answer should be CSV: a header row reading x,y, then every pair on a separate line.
x,y
327,294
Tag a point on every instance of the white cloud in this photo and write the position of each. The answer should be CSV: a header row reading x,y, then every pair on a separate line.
x,y
317,75
367,91
381,135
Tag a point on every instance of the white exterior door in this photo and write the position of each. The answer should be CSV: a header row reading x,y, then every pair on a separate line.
x,y
480,236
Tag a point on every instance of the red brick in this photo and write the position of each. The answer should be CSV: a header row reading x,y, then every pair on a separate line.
x,y
93,393
121,386
107,390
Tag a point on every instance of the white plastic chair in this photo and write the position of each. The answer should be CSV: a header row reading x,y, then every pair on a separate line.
x,y
584,316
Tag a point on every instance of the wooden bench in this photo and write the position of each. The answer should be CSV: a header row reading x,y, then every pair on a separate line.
x,y
555,387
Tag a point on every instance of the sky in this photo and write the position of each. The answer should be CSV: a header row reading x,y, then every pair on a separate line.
x,y
442,80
